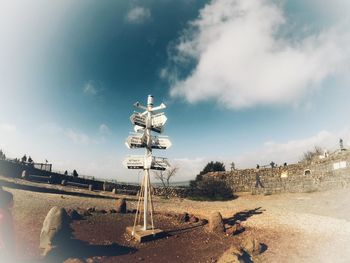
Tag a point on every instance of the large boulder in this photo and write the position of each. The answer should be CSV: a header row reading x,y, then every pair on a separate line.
x,y
56,231
216,224
120,206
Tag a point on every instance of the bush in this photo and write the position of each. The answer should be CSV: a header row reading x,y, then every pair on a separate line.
x,y
210,188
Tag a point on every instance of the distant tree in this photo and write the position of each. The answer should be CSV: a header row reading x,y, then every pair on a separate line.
x,y
164,177
75,173
310,155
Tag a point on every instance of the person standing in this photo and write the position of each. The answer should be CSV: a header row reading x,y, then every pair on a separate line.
x,y
257,177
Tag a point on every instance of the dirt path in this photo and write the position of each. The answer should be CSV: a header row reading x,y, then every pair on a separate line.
x,y
308,227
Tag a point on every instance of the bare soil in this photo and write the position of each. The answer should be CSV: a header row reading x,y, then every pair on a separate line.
x,y
301,227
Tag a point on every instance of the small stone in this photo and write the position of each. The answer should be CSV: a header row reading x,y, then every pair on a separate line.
x,y
24,174
251,246
120,206
74,215
232,255
91,209
193,219
183,217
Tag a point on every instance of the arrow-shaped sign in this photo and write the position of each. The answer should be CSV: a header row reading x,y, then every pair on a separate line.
x,y
158,119
134,162
142,162
138,119
139,141
160,143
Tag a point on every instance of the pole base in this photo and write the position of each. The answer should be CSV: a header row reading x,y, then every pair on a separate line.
x,y
141,235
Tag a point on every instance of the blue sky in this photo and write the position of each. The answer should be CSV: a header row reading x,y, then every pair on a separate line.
x,y
244,81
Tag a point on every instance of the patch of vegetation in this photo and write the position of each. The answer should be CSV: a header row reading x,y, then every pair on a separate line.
x,y
207,188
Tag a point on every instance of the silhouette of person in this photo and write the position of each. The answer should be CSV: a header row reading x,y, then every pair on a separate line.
x,y
257,177
7,244
75,173
24,158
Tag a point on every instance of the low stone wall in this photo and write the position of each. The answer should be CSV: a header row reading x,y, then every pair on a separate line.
x,y
322,174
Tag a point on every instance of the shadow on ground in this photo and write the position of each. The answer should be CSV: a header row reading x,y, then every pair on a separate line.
x,y
82,250
243,216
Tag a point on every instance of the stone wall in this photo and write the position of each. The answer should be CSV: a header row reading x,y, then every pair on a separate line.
x,y
320,174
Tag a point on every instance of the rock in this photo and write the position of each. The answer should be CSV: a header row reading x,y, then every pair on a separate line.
x,y
83,212
24,174
56,231
74,215
235,229
183,218
120,206
91,209
193,219
216,225
231,255
251,246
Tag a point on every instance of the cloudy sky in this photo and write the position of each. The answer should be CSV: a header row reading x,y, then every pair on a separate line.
x,y
249,81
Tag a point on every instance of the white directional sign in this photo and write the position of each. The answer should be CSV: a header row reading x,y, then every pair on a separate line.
x,y
159,119
142,162
138,119
138,140
135,141
160,143
140,122
134,162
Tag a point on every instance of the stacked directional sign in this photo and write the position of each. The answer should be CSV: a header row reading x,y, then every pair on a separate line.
x,y
145,123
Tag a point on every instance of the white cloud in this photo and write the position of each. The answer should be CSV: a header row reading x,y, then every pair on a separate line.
x,y
293,150
138,15
243,60
104,129
76,137
279,152
91,88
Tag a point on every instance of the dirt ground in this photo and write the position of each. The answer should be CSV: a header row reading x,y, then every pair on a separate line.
x,y
300,227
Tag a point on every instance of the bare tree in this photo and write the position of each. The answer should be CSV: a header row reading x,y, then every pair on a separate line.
x,y
165,177
310,155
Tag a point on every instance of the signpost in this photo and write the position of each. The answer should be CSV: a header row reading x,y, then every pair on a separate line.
x,y
145,123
